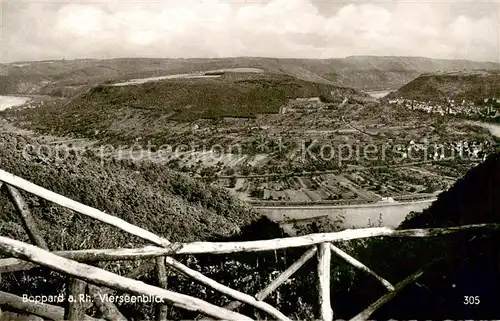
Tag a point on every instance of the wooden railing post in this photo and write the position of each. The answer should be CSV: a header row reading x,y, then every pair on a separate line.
x,y
0,273
26,217
76,307
107,308
324,256
161,272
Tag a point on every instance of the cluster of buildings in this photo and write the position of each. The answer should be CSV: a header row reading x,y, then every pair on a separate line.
x,y
451,107
34,104
308,104
460,149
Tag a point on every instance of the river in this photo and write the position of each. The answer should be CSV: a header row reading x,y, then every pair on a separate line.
x,y
493,128
7,102
379,94
352,216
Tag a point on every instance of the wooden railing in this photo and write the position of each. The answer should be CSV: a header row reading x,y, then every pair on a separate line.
x,y
26,256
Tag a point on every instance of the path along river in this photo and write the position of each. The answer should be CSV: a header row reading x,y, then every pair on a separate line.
x,y
492,127
355,216
347,216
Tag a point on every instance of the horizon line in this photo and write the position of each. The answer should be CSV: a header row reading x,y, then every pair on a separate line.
x,y
249,57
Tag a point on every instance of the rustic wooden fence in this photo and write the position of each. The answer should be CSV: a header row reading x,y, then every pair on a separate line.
x,y
26,256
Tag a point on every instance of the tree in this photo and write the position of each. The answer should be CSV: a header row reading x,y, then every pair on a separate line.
x,y
324,98
257,193
232,182
246,170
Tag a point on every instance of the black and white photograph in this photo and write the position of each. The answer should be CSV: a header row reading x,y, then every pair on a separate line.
x,y
249,160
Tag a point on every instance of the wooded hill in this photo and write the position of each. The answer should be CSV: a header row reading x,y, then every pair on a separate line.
x,y
148,110
471,86
67,77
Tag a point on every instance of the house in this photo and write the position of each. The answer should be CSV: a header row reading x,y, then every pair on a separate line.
x,y
387,200
309,99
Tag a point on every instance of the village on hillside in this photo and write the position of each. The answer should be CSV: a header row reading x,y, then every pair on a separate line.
x,y
487,108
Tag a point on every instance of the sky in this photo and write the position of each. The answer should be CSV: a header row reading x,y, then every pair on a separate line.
x,y
41,29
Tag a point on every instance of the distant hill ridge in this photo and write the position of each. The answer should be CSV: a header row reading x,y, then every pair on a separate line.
x,y
146,110
472,85
361,72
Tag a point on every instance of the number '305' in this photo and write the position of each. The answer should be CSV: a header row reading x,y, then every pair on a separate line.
x,y
471,300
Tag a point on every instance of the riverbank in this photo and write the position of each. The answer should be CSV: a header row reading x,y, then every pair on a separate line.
x,y
350,216
379,93
7,102
492,127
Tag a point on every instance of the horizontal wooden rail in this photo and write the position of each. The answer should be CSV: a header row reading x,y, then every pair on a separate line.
x,y
11,265
98,255
230,247
101,277
313,239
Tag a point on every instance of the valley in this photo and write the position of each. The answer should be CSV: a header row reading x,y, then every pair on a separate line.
x,y
248,149
274,141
